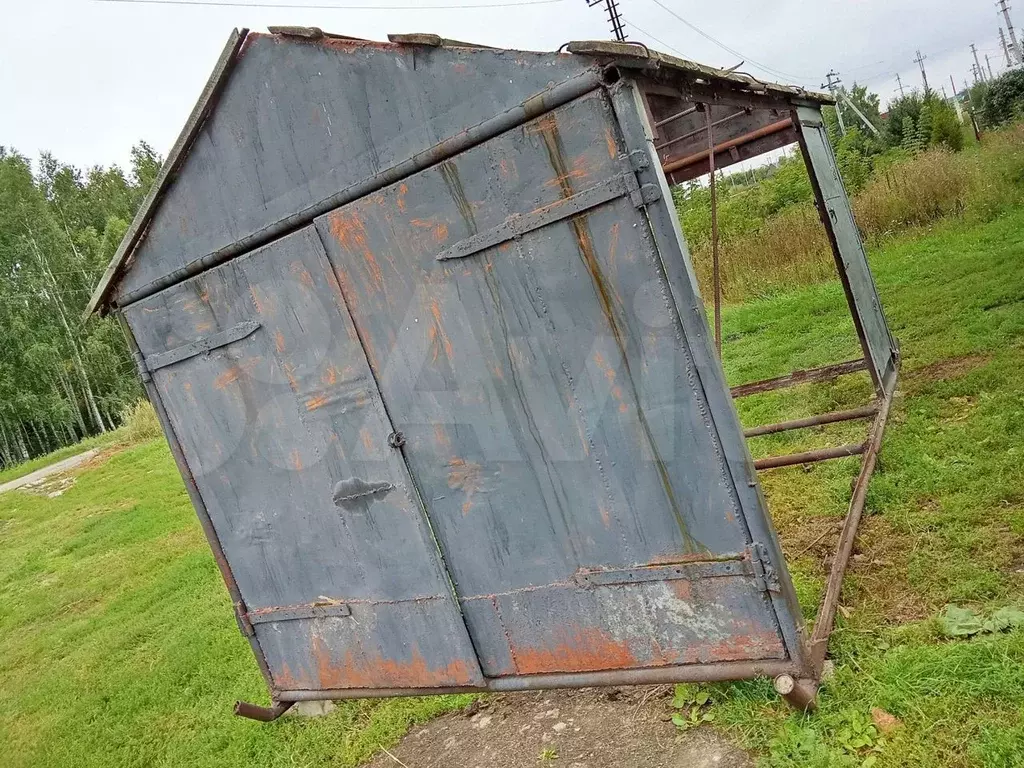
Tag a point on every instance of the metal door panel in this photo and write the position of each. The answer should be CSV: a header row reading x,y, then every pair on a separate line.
x,y
553,419
287,438
852,261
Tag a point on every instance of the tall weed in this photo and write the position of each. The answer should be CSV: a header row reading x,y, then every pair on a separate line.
x,y
768,253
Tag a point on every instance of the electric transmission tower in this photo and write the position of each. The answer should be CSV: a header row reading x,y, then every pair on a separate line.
x,y
611,7
1004,8
900,84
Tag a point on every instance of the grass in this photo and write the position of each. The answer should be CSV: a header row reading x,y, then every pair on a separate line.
x,y
945,515
767,252
118,646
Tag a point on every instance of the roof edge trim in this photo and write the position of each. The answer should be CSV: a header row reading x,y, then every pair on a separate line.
x,y
100,298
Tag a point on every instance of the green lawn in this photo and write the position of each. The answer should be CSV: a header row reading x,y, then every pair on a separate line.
x,y
118,646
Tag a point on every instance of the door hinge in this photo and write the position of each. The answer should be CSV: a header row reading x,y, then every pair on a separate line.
x,y
766,577
140,363
632,164
242,617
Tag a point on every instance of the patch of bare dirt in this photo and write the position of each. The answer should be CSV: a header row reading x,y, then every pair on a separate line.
x,y
950,368
589,728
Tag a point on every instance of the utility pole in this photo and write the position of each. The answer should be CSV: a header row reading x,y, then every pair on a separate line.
x,y
900,84
924,75
989,65
974,73
832,85
977,64
1004,8
956,101
611,7
1006,48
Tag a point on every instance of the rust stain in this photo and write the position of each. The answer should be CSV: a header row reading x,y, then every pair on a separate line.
x,y
256,299
507,169
279,342
441,436
354,669
295,460
203,327
435,310
349,231
465,476
460,68
367,440
330,376
319,401
299,269
606,516
583,649
609,140
439,229
230,376
400,200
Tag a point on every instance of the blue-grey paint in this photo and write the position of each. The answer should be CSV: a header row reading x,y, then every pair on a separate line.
x,y
572,493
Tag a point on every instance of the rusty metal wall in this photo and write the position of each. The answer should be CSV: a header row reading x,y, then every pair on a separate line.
x,y
340,579
550,422
467,427
298,121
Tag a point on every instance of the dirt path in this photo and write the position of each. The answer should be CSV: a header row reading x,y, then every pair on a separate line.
x,y
591,728
40,474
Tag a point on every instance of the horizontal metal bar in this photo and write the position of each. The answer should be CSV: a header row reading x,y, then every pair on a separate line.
x,y
698,131
736,565
262,714
767,130
517,225
676,116
298,613
544,101
827,612
689,673
199,346
821,454
813,421
824,373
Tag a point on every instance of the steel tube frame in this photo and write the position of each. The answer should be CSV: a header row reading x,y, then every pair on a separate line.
x,y
807,457
826,617
824,373
832,417
719,672
715,266
698,131
760,133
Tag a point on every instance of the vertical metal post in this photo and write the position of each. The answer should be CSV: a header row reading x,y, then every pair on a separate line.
x,y
715,266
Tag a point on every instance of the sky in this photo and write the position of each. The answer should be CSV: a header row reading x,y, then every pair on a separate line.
x,y
86,79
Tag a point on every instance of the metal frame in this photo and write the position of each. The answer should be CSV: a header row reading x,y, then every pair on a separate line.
x,y
799,689
628,76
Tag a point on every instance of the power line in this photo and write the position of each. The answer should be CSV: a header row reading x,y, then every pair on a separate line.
x,y
733,51
645,33
303,6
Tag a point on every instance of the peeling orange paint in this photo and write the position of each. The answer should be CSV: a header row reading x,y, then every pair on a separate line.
x,y
465,476
330,376
295,460
439,229
368,669
400,200
279,342
584,649
441,436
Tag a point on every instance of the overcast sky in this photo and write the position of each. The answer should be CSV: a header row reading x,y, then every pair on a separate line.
x,y
85,79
